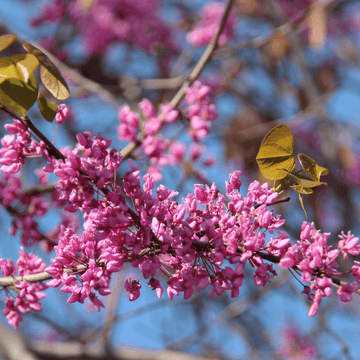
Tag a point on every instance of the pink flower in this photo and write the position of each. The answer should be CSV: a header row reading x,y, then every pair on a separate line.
x,y
155,285
195,151
129,124
176,153
168,113
42,176
15,147
7,267
152,126
133,287
263,274
348,244
13,315
155,173
296,346
200,111
96,302
148,109
210,161
106,22
205,30
355,270
345,291
62,113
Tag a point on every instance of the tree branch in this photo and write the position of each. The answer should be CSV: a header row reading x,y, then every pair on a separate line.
x,y
195,73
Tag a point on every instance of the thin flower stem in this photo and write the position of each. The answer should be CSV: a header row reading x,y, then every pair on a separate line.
x,y
291,272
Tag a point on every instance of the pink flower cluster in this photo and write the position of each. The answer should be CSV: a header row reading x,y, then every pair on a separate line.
x,y
28,208
25,296
17,146
190,249
97,161
317,261
164,238
11,196
71,251
62,113
129,127
153,145
296,346
50,13
105,22
204,241
200,112
207,27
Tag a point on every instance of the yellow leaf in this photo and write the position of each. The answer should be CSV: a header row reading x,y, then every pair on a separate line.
x,y
47,108
18,67
27,64
52,82
301,190
275,156
6,40
311,168
304,182
49,74
17,95
8,69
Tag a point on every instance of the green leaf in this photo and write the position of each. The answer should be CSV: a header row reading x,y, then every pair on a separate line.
x,y
47,108
49,74
275,156
311,168
6,41
17,95
18,66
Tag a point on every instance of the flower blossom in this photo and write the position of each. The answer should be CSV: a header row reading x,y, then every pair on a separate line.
x,y
207,27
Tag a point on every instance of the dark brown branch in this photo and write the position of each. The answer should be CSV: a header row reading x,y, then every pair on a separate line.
x,y
53,151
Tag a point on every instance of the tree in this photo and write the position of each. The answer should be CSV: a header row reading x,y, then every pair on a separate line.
x,y
188,236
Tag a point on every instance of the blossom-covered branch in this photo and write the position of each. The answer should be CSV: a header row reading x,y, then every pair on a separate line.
x,y
189,242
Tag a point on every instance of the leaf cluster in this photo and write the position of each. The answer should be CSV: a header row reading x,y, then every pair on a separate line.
x,y
18,85
276,161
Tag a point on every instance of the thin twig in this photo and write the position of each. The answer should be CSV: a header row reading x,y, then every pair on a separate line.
x,y
195,73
